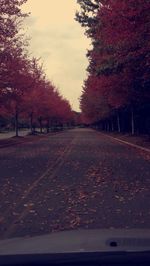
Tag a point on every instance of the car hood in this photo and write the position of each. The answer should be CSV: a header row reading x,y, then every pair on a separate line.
x,y
79,241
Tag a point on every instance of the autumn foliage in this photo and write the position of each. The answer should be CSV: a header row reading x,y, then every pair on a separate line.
x,y
25,92
116,93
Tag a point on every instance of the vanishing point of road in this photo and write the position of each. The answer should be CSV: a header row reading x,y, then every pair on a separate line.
x,y
75,179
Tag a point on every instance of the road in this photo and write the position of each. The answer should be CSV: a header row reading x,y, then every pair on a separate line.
x,y
74,179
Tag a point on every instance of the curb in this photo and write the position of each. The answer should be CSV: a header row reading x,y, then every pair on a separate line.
x,y
22,142
127,143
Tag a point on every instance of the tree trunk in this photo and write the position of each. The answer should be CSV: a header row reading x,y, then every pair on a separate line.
x,y
112,126
16,124
118,123
132,122
48,122
103,126
40,121
107,126
31,123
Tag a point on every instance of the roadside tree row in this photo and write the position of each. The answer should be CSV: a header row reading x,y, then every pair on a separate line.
x,y
25,92
116,93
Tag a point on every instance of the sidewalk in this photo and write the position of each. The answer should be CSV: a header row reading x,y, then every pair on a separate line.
x,y
11,134
9,139
142,142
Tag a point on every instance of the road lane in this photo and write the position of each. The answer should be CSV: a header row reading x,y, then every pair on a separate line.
x,y
76,179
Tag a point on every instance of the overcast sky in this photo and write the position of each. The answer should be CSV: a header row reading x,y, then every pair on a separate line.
x,y
60,42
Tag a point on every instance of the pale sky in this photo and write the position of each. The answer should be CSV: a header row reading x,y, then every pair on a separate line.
x,y
61,44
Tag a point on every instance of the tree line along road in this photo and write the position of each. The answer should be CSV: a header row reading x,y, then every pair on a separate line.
x,y
76,179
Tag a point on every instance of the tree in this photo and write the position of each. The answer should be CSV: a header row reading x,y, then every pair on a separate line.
x,y
11,41
25,92
120,54
13,63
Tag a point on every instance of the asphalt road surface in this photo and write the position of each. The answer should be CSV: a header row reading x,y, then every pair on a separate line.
x,y
74,179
